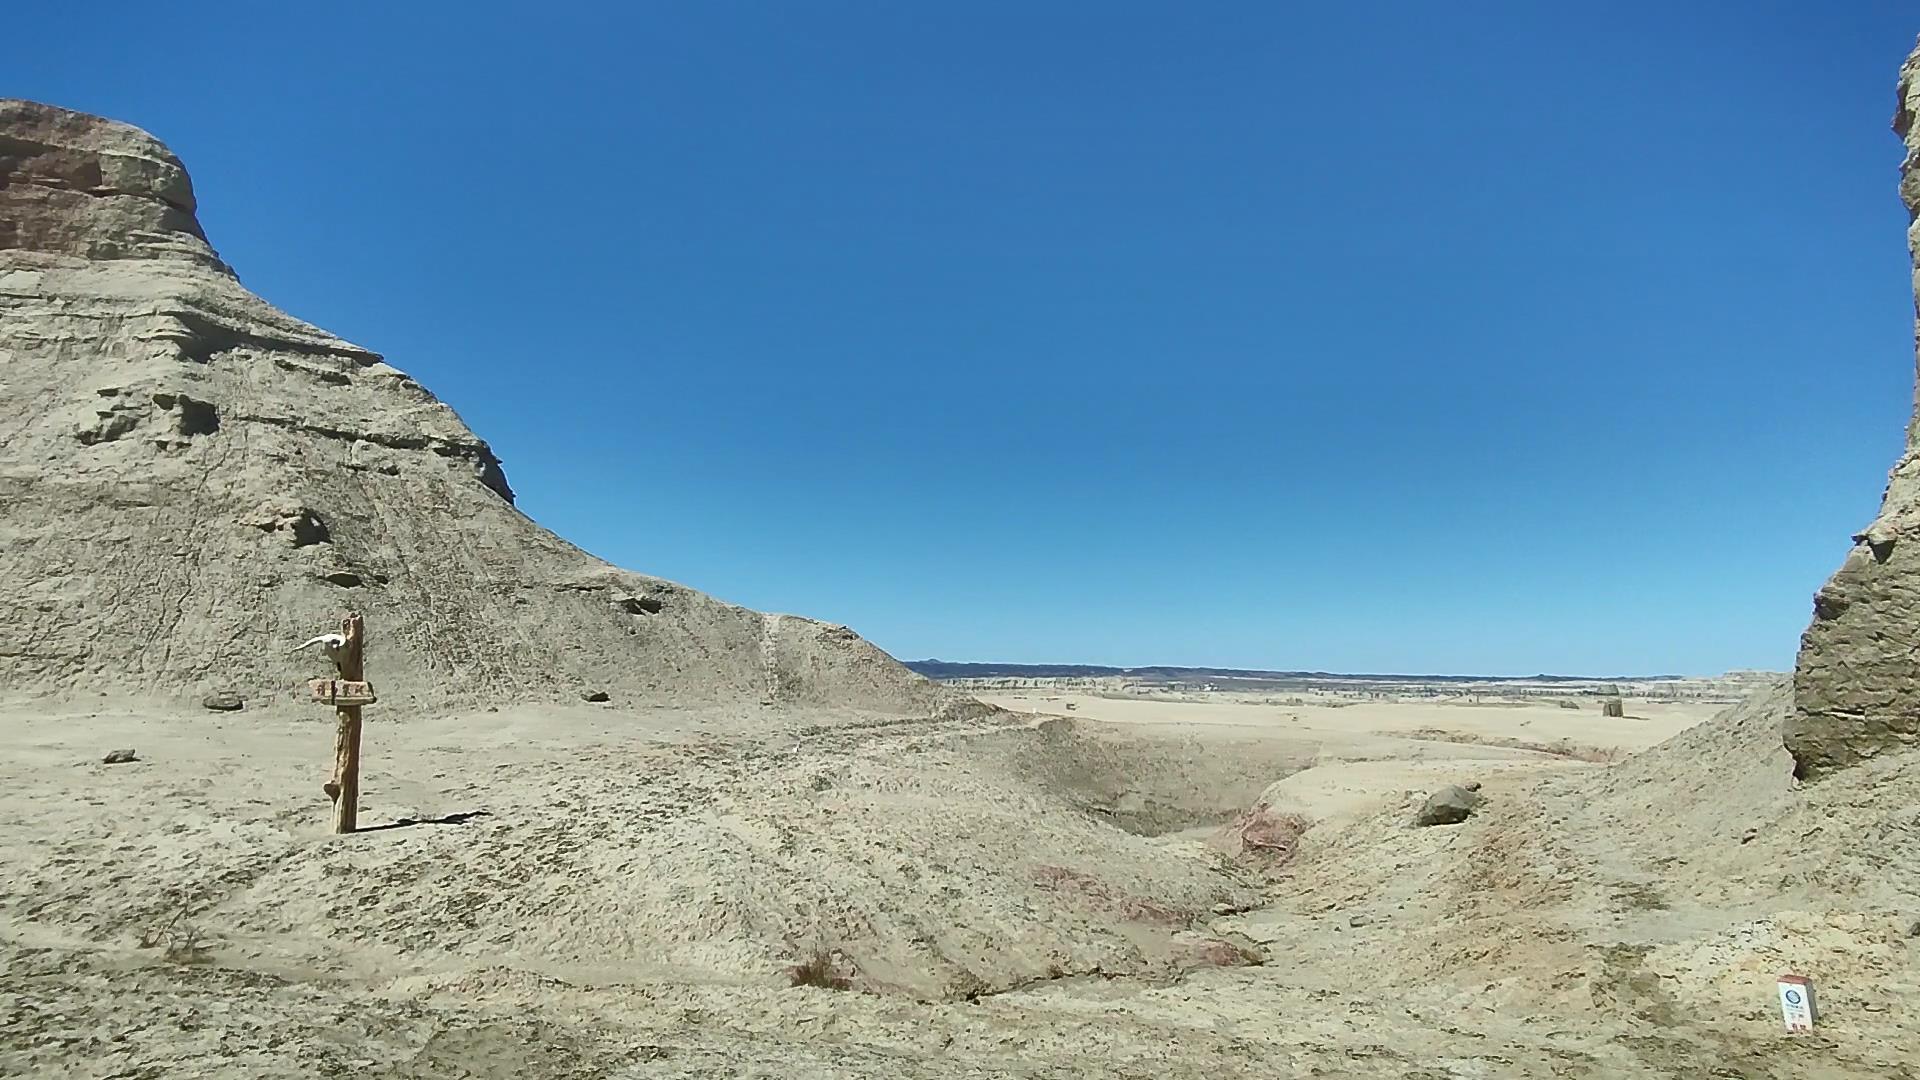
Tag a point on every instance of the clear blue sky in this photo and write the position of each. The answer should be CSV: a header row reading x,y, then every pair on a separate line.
x,y
1462,337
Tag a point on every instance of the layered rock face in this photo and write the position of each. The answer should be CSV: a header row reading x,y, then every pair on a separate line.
x,y
191,481
1857,682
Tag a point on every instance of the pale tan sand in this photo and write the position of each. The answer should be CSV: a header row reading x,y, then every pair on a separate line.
x,y
1646,723
1359,754
1009,895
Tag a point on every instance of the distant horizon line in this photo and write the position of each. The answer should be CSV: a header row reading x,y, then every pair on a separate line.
x,y
934,667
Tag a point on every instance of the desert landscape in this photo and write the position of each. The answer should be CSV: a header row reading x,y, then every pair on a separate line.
x,y
609,826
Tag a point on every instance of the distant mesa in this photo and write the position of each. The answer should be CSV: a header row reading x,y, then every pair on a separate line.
x,y
947,669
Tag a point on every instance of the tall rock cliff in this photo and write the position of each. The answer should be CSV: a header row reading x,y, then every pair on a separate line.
x,y
1857,684
191,481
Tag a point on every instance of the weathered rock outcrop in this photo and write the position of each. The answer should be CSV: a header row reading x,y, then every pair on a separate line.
x,y
191,480
1451,805
1857,683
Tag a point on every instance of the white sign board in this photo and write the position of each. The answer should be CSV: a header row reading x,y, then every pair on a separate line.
x,y
1796,1002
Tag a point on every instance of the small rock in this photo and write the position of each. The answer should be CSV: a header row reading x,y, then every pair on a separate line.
x,y
638,605
1360,920
119,757
593,695
1223,908
1471,785
224,702
300,525
1448,806
1914,930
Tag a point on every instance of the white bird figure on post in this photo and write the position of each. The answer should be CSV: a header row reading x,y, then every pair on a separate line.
x,y
332,643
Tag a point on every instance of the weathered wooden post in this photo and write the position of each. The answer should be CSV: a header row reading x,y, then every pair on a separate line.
x,y
346,738
346,694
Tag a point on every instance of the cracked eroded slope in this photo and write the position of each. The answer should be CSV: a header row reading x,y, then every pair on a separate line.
x,y
1853,683
190,479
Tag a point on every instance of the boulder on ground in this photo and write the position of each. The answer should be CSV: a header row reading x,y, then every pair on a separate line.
x,y
1450,805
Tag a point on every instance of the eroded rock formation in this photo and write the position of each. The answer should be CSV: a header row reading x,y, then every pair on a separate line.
x,y
190,480
1857,683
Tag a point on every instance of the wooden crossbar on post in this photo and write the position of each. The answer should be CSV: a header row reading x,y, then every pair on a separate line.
x,y
345,788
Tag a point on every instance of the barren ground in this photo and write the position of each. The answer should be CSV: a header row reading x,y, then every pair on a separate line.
x,y
1043,892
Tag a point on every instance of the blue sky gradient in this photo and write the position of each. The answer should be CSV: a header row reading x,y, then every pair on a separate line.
x,y
1487,337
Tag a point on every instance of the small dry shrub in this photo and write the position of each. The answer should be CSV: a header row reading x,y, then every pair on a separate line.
x,y
1638,896
817,968
179,940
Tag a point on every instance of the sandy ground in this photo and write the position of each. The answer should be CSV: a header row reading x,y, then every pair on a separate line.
x,y
624,893
1368,725
1360,751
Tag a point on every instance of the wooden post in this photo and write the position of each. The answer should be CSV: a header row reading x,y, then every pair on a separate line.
x,y
345,788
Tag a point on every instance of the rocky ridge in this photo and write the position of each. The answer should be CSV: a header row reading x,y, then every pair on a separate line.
x,y
191,481
1860,658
